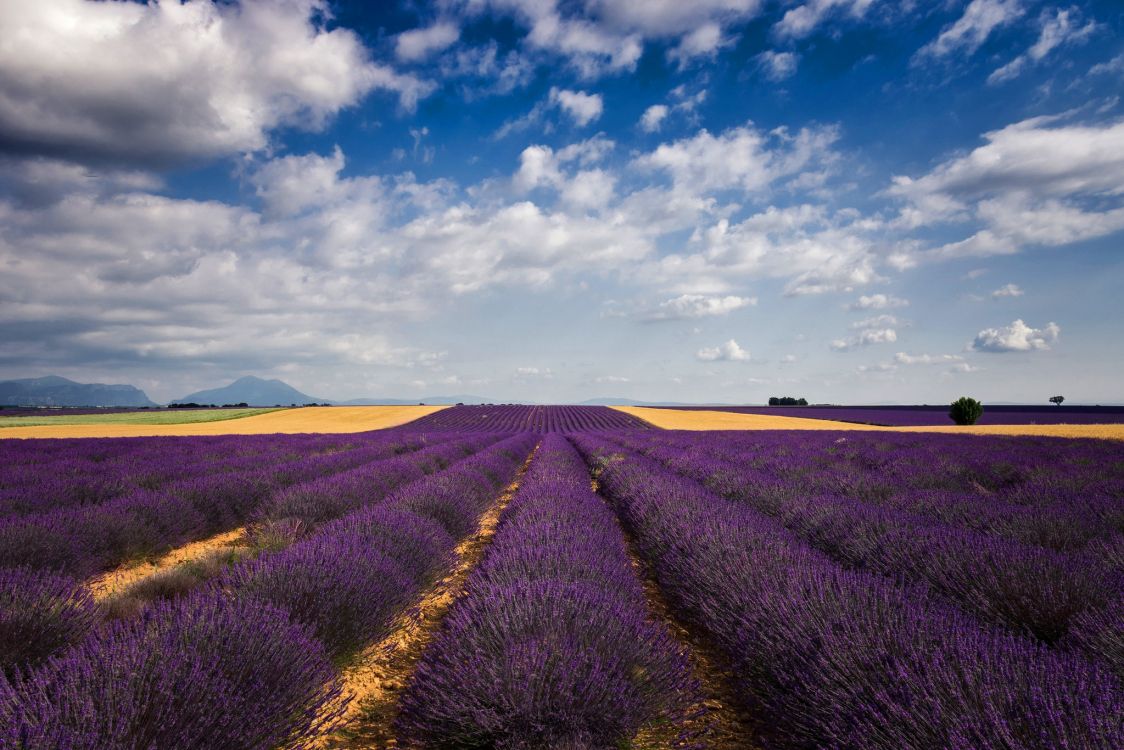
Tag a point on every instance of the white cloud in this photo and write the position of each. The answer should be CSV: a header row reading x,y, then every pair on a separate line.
x,y
741,157
815,252
541,166
727,352
583,108
705,41
880,367
878,302
1033,183
613,379
1115,65
653,117
777,66
1007,290
972,29
802,20
608,36
169,81
691,306
1017,337
534,373
878,321
416,45
866,338
926,359
1063,27
496,74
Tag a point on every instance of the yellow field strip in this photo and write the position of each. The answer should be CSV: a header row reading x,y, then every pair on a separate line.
x,y
325,419
682,419
109,583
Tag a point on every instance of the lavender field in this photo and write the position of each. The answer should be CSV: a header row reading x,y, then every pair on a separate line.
x,y
924,416
600,584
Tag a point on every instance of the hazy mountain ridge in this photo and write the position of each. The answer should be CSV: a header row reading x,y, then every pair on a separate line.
x,y
53,390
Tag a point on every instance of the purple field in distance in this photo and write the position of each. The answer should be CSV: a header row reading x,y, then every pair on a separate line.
x,y
923,416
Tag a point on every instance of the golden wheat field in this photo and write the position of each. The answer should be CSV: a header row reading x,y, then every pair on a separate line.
x,y
674,419
287,421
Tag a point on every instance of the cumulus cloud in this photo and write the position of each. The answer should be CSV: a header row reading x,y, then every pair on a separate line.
x,y
802,20
1017,337
607,36
865,338
1007,290
741,157
533,373
582,108
418,44
705,41
877,302
877,321
1062,27
691,306
541,166
653,117
816,252
171,81
903,358
1034,183
727,352
972,29
777,66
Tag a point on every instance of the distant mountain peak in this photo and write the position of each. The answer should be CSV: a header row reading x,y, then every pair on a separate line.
x,y
252,390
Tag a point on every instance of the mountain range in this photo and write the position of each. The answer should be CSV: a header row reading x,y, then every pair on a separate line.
x,y
55,391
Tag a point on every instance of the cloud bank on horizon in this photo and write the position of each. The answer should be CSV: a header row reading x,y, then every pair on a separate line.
x,y
883,201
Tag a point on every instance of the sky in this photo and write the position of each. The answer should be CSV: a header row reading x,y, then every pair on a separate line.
x,y
852,201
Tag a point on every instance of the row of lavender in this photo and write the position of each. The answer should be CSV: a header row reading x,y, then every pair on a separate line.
x,y
62,527
247,662
44,610
1072,597
551,645
541,419
846,658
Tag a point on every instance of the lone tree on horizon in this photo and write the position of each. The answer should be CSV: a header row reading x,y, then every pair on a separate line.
x,y
965,410
1057,400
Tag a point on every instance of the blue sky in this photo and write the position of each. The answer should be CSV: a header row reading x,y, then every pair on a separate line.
x,y
856,201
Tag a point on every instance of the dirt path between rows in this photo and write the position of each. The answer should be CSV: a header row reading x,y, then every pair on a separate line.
x,y
117,580
384,668
716,722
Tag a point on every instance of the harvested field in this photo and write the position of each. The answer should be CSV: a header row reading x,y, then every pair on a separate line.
x,y
156,417
701,419
320,419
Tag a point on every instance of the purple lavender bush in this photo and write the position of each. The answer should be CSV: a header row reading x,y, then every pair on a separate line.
x,y
41,613
844,658
202,672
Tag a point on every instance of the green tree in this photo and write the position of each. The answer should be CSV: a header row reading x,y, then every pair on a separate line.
x,y
965,410
1057,400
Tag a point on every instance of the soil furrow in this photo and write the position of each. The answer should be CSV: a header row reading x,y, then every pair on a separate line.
x,y
716,722
114,581
383,669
